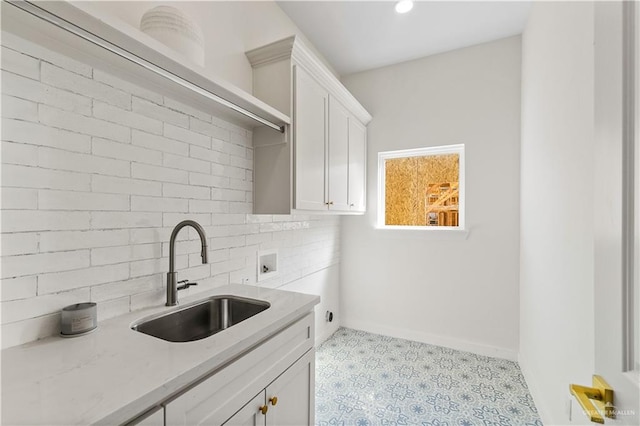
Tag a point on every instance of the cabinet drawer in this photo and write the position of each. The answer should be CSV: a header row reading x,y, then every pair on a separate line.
x,y
215,399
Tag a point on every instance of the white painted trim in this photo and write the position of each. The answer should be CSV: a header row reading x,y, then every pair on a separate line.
x,y
294,48
422,152
462,345
530,374
321,338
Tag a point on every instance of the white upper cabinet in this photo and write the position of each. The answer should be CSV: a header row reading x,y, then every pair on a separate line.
x,y
338,157
310,132
319,163
357,166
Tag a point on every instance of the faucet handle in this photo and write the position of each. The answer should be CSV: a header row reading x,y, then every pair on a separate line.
x,y
185,284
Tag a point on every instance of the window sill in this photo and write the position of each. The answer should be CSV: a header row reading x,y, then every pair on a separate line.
x,y
430,233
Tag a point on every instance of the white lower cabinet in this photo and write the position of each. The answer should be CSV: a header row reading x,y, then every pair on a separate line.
x,y
286,401
272,384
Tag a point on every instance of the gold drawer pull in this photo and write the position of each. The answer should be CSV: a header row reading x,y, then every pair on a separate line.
x,y
264,409
273,400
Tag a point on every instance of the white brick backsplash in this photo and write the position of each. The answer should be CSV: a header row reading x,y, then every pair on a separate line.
x,y
64,79
184,135
113,308
63,160
30,264
37,134
112,255
114,220
44,94
37,51
110,80
172,219
33,177
228,194
147,299
176,190
184,163
243,185
18,288
116,290
79,123
35,220
153,235
123,151
19,199
185,109
231,230
18,153
118,185
97,194
63,281
159,204
208,180
208,206
209,129
235,219
240,207
22,309
233,172
19,108
16,333
156,266
162,174
21,243
21,64
131,119
70,240
209,155
159,143
153,110
72,200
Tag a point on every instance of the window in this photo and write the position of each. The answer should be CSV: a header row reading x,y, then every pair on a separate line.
x,y
421,188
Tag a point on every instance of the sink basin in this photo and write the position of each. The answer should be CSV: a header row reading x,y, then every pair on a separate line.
x,y
200,319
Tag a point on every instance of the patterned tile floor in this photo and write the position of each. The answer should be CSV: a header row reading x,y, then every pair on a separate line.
x,y
366,379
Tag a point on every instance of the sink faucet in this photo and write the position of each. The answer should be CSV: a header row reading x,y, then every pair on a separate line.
x,y
172,275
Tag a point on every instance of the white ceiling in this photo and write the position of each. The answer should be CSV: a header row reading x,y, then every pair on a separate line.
x,y
360,35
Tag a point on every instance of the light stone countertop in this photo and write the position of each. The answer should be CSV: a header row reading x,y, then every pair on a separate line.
x,y
114,373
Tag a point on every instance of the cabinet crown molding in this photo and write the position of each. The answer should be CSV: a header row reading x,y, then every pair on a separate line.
x,y
293,48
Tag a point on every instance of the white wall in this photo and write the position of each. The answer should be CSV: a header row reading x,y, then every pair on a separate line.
x,y
95,174
445,290
556,266
230,28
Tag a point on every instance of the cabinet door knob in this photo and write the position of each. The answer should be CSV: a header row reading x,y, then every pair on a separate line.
x,y
330,203
351,205
273,400
264,409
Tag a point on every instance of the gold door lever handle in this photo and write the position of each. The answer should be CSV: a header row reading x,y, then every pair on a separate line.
x,y
595,399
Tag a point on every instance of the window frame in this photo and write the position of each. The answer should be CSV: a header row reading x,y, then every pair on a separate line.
x,y
422,152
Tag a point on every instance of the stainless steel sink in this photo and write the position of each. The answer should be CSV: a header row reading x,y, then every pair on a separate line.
x,y
201,319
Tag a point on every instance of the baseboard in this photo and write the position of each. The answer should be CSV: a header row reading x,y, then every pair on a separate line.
x,y
328,332
431,339
534,390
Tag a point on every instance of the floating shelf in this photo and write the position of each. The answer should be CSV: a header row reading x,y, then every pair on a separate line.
x,y
74,30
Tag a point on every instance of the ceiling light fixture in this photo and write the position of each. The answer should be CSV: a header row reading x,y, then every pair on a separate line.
x,y
403,6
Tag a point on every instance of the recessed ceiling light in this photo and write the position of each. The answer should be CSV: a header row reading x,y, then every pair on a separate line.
x,y
403,6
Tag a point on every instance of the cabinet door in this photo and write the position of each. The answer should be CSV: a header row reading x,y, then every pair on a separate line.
x,y
310,134
250,414
338,156
357,166
295,393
